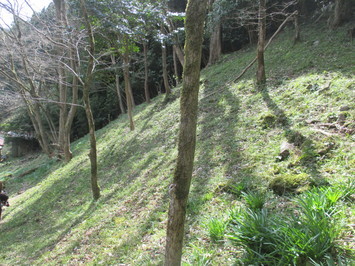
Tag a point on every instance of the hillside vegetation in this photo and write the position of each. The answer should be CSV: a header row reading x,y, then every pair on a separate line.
x,y
308,103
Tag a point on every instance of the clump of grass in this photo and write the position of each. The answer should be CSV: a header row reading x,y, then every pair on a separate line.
x,y
308,236
256,232
255,199
199,257
216,229
238,189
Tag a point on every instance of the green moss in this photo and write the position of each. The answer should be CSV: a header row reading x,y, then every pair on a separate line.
x,y
288,182
268,120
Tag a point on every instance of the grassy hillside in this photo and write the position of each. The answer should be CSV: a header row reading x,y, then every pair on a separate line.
x,y
308,102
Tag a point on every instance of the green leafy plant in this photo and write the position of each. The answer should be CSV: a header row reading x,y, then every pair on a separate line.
x,y
309,235
255,200
216,229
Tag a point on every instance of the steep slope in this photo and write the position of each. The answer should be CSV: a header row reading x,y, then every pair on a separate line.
x,y
308,102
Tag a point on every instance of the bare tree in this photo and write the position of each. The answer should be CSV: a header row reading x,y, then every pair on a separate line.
x,y
41,49
23,68
65,52
87,82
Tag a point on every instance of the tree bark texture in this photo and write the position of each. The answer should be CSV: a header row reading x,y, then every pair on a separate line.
x,y
86,93
179,189
260,76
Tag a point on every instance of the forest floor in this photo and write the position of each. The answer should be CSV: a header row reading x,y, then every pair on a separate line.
x,y
307,105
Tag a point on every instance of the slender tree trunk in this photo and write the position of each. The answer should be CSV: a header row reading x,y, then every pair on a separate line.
x,y
119,95
179,53
93,151
179,189
118,90
215,45
260,76
38,125
68,155
86,93
297,37
66,116
253,37
176,70
176,47
62,88
128,90
146,88
165,70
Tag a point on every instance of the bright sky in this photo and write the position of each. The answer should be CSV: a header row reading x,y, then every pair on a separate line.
x,y
21,5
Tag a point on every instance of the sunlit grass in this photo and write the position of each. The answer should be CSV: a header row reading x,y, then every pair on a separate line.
x,y
53,221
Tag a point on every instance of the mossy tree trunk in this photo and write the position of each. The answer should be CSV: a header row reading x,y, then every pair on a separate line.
x,y
179,189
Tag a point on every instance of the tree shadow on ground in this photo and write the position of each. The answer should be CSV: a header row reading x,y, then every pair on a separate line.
x,y
293,136
219,152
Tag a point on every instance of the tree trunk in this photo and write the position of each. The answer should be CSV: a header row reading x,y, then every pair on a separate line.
x,y
117,84
342,12
86,93
146,88
215,45
165,70
176,70
253,36
260,76
179,53
62,88
179,189
93,151
297,37
33,112
66,116
128,90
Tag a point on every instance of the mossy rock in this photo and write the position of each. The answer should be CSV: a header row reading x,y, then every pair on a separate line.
x,y
268,120
293,183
